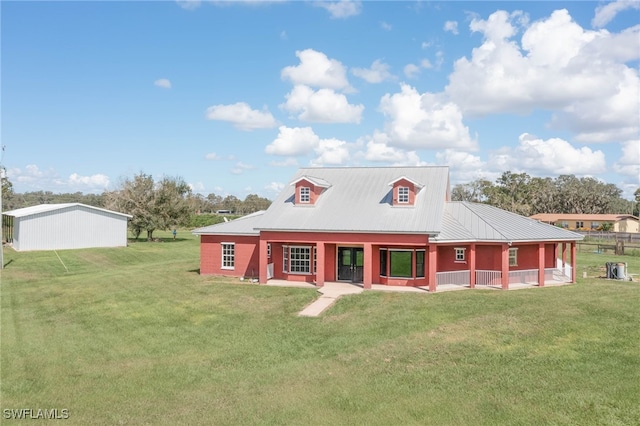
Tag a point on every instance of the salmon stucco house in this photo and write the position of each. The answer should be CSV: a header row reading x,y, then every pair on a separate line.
x,y
386,225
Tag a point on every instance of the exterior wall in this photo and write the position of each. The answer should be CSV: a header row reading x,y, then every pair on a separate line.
x,y
488,257
627,225
246,255
447,258
73,227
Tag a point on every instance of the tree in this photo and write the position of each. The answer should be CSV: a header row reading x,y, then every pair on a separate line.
x,y
474,192
153,205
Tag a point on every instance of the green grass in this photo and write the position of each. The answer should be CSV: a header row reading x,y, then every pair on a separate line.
x,y
136,336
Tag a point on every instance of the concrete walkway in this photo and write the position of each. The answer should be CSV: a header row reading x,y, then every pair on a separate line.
x,y
330,293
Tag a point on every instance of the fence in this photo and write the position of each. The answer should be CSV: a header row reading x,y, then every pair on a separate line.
x,y
453,277
526,276
488,277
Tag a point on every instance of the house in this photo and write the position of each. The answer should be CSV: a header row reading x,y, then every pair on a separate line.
x,y
386,225
617,222
64,226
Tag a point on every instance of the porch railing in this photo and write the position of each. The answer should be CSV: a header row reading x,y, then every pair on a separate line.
x,y
525,276
453,277
488,277
558,274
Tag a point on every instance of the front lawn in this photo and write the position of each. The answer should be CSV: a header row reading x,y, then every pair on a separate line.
x,y
136,336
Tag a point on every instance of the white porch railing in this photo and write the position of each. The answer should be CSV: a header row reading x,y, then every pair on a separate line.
x,y
488,277
525,276
453,277
557,274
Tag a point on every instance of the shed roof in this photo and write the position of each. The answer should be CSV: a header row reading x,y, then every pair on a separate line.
x,y
464,221
359,200
42,208
245,225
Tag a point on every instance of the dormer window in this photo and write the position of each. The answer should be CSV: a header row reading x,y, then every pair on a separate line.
x,y
305,194
403,195
404,191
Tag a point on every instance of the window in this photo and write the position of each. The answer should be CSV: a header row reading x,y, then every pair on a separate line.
x,y
565,224
400,264
269,250
403,194
228,255
595,225
579,224
300,260
513,257
460,254
315,259
285,259
420,263
305,194
383,262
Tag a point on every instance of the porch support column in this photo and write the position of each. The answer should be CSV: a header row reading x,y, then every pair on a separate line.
x,y
319,264
472,265
564,255
262,261
574,262
505,266
541,264
433,266
367,278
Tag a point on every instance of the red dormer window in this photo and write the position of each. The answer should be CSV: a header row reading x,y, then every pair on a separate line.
x,y
404,191
308,190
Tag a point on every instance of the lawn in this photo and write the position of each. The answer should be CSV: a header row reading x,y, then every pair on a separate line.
x,y
136,336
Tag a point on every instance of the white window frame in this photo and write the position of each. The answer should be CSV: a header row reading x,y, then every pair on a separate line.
x,y
297,255
579,224
413,273
305,194
285,259
460,253
403,195
513,256
228,256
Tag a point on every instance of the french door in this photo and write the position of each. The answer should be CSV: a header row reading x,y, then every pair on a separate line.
x,y
351,264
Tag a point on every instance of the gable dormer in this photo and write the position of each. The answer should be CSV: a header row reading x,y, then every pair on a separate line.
x,y
308,189
404,192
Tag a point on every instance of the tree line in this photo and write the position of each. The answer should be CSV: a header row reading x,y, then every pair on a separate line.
x,y
526,195
161,204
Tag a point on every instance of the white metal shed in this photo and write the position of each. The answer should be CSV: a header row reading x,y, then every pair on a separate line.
x,y
66,226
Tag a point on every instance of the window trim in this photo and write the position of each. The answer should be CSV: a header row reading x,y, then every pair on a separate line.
x,y
403,198
309,260
305,194
285,259
225,256
424,263
384,254
513,256
460,251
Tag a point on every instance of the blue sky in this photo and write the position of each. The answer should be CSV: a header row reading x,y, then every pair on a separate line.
x,y
234,97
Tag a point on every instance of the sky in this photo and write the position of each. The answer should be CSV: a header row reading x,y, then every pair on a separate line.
x,y
234,97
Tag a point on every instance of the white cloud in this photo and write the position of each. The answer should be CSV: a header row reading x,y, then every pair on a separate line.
x,y
287,162
241,116
89,182
317,70
551,157
386,26
212,156
163,82
424,121
605,13
300,141
283,35
342,8
240,168
378,72
293,141
31,178
274,187
412,70
451,26
629,162
379,151
322,106
465,167
189,4
584,78
197,187
330,152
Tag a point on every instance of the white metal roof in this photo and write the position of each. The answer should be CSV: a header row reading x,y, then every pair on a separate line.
x,y
359,200
42,208
244,225
464,221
